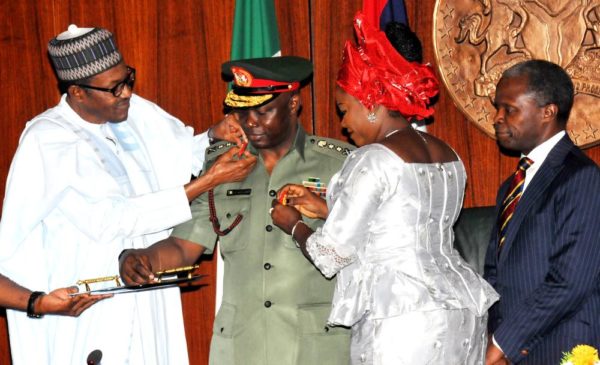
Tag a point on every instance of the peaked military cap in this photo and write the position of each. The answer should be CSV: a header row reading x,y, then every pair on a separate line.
x,y
257,81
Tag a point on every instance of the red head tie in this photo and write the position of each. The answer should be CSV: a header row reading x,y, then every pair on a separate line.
x,y
375,73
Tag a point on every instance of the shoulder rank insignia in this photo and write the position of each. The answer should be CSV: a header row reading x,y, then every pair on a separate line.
x,y
218,147
322,143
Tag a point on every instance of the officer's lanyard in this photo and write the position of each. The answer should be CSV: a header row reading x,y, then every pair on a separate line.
x,y
215,221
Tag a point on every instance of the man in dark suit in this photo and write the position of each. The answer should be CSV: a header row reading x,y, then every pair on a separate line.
x,y
544,254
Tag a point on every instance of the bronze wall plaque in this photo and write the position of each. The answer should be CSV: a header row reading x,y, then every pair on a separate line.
x,y
476,40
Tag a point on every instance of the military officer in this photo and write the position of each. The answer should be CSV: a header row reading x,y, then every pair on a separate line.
x,y
275,303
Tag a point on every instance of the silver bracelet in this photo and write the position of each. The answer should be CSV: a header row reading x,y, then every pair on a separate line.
x,y
294,229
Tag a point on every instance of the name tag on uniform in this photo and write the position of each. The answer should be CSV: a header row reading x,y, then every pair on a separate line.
x,y
234,192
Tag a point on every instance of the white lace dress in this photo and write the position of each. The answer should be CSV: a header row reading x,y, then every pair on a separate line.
x,y
407,294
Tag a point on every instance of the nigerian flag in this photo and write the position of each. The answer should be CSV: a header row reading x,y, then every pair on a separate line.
x,y
255,32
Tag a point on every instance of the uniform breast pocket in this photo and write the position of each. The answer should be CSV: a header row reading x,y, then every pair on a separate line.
x,y
234,218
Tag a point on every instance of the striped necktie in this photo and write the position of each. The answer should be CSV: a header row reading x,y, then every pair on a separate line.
x,y
513,196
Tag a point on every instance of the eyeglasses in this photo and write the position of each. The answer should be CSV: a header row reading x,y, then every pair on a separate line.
x,y
117,90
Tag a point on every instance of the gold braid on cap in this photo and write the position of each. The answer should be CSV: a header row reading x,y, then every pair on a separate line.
x,y
245,101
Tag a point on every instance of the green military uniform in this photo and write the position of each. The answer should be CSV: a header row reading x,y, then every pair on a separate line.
x,y
275,302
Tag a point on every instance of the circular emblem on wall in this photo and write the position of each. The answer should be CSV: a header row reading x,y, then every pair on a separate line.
x,y
476,40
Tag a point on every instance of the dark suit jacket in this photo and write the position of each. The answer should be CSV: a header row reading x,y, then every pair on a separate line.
x,y
548,272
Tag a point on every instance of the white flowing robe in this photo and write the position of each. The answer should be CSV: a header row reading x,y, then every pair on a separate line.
x,y
76,196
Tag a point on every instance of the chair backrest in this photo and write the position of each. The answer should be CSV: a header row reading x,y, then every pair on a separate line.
x,y
472,233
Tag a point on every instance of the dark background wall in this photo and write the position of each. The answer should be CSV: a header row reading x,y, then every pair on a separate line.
x,y
177,47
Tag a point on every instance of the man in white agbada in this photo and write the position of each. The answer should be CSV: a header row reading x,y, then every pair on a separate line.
x,y
103,171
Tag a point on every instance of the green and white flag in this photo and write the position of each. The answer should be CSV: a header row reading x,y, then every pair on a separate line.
x,y
255,32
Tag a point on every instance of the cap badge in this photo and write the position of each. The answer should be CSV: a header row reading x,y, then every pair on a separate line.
x,y
242,77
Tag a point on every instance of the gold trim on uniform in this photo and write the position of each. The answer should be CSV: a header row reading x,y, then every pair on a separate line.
x,y
244,101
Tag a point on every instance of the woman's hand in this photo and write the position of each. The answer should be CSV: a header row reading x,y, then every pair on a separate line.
x,y
228,129
283,216
306,202
60,301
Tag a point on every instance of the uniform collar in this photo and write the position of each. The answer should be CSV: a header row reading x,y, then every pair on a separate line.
x,y
300,141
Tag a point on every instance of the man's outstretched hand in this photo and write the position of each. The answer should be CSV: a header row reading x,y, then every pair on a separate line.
x,y
60,301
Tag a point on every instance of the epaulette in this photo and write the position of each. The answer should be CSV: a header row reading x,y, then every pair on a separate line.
x,y
331,146
217,149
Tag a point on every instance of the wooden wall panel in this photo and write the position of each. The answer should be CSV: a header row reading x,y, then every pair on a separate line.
x,y
294,36
177,48
331,26
136,29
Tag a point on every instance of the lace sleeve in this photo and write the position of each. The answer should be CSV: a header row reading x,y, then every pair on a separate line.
x,y
358,192
325,256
